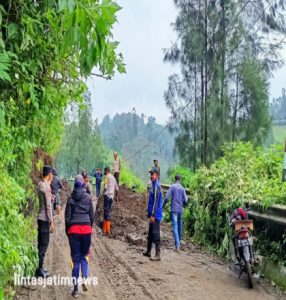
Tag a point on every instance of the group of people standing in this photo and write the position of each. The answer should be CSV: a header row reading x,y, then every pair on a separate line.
x,y
79,214
116,172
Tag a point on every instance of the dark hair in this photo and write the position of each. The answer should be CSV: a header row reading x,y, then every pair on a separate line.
x,y
47,170
106,169
177,177
84,174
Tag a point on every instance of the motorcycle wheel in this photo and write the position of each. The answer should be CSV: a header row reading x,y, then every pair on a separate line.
x,y
248,271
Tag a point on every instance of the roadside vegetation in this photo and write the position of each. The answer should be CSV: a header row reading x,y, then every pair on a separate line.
x,y
47,48
242,175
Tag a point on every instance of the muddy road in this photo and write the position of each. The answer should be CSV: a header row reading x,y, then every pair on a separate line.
x,y
123,273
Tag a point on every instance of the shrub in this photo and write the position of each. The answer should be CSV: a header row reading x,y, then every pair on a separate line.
x,y
17,253
243,174
130,180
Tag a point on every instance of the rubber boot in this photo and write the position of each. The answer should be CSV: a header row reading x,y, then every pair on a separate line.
x,y
149,248
157,255
104,227
108,228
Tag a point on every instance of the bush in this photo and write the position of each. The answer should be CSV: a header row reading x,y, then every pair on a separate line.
x,y
130,180
17,253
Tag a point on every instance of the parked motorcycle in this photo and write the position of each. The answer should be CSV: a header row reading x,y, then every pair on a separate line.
x,y
243,243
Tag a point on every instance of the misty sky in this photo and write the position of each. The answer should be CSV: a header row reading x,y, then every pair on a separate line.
x,y
143,31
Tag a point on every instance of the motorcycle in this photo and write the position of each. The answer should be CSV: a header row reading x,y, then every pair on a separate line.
x,y
243,243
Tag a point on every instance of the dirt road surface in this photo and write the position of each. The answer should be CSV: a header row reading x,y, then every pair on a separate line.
x,y
123,273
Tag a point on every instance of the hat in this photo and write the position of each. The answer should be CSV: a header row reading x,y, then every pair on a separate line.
x,y
78,184
47,170
154,170
78,181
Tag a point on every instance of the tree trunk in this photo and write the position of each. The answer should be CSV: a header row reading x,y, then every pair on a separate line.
x,y
202,110
223,50
206,83
195,123
235,109
202,101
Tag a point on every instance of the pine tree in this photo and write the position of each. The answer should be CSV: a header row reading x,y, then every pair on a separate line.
x,y
221,94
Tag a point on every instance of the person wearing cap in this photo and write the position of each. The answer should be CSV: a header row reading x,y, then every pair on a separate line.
x,y
179,200
155,215
156,165
116,166
110,190
56,185
79,218
44,219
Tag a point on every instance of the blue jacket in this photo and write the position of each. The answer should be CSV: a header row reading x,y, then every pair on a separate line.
x,y
179,197
98,177
155,208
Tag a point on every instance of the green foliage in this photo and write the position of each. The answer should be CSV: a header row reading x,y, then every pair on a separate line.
x,y
275,250
130,180
242,175
17,253
139,141
279,133
221,93
185,173
256,123
47,48
81,147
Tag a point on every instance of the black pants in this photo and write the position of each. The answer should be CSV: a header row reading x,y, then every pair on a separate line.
x,y
116,175
79,244
154,236
107,207
43,240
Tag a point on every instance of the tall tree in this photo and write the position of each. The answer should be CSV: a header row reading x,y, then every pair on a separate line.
x,y
220,46
47,47
82,147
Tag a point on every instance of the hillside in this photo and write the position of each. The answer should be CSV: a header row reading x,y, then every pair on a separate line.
x,y
139,142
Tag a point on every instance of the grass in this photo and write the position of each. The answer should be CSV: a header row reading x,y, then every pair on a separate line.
x,y
279,133
130,180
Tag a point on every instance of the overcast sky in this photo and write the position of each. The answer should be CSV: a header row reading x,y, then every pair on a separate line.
x,y
143,31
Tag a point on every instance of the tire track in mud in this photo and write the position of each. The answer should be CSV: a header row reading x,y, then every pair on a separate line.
x,y
125,281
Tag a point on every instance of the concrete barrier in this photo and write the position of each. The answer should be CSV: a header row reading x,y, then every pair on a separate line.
x,y
273,218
